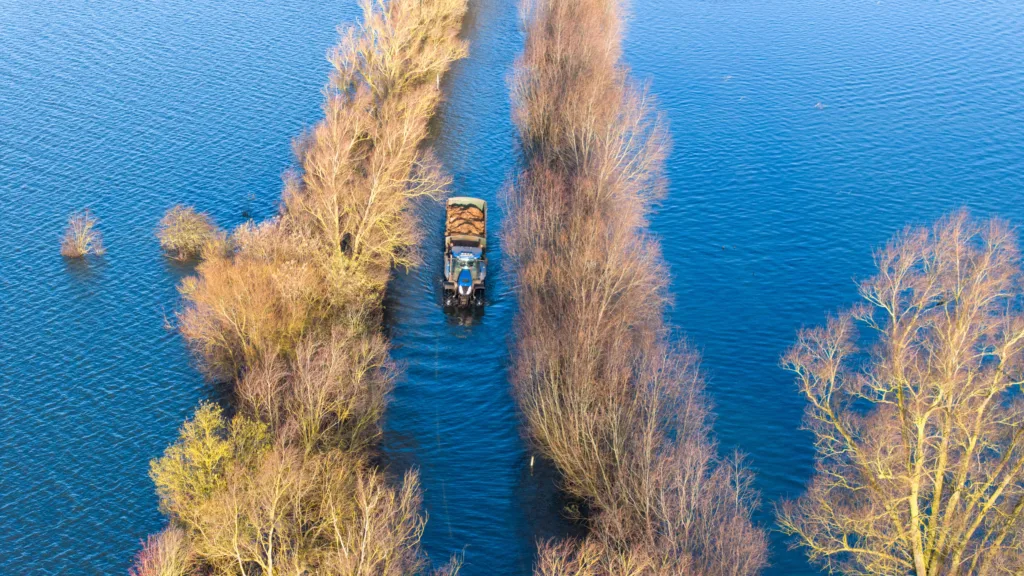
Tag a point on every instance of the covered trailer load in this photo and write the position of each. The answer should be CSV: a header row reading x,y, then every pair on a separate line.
x,y
465,251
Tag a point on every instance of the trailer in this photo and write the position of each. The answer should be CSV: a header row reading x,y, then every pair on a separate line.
x,y
465,252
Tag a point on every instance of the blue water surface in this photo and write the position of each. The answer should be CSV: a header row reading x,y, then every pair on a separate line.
x,y
125,108
805,134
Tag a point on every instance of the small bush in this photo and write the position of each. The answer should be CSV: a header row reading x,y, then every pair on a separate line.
x,y
81,236
166,554
184,233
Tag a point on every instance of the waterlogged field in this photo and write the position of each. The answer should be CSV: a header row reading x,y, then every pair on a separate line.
x,y
805,134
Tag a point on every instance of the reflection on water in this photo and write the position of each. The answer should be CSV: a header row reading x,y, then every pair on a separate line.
x,y
466,317
85,271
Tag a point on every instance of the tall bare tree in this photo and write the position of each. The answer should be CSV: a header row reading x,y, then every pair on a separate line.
x,y
919,421
606,396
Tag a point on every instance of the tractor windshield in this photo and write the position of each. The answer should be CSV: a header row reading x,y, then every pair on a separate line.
x,y
468,258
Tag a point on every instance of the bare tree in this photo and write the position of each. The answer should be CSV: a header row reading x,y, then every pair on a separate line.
x,y
346,219
242,502
616,407
81,236
919,423
330,397
168,553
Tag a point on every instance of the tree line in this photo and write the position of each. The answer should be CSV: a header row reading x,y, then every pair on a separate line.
x,y
605,391
289,312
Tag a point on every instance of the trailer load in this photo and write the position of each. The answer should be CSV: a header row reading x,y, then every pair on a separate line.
x,y
465,251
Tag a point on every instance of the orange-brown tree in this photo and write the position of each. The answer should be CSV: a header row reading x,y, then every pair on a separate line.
x,y
288,311
919,421
606,396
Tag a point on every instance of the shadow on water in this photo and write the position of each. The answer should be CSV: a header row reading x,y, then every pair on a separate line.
x,y
86,271
467,318
178,270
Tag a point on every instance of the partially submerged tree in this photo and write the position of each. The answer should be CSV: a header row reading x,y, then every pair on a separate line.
x,y
346,219
920,436
81,236
250,505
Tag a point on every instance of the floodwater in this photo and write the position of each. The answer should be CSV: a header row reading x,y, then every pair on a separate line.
x,y
805,134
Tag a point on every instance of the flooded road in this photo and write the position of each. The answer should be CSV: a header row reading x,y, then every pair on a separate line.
x,y
453,416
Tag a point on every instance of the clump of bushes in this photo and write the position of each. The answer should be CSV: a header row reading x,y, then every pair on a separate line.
x,y
81,236
184,233
289,312
618,408
253,505
168,553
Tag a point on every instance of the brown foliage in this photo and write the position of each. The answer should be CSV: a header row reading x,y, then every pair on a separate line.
x,y
289,311
592,557
326,513
619,410
331,395
920,438
346,218
363,163
81,236
241,307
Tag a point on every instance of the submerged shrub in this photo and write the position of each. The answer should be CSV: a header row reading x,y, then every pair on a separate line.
x,y
168,553
184,233
81,236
